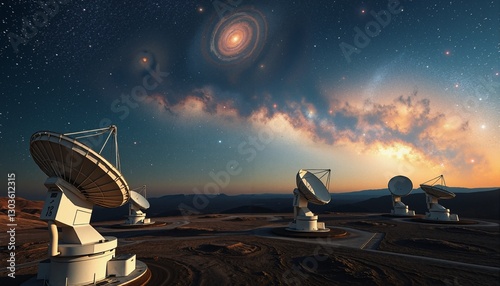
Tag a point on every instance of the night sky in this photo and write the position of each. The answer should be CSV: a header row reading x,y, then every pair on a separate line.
x,y
245,93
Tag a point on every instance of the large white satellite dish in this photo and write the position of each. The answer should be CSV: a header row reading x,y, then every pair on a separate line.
x,y
400,186
434,192
93,176
138,201
137,204
78,178
309,189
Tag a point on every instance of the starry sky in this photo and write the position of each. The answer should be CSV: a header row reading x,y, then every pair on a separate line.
x,y
235,96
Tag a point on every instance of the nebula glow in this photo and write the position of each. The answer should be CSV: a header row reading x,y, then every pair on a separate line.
x,y
419,99
238,38
144,60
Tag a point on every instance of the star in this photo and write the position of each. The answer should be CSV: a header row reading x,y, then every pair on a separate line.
x,y
310,114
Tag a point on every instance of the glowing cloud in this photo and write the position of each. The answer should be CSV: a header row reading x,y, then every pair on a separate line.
x,y
405,129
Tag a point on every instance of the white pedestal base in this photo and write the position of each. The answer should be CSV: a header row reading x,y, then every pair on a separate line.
x,y
438,212
82,264
441,215
141,269
402,211
136,220
307,224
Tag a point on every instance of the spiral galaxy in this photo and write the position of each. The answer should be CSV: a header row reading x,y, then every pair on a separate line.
x,y
238,38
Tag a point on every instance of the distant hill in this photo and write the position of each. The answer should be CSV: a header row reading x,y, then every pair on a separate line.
x,y
174,205
357,196
27,213
248,209
24,208
472,203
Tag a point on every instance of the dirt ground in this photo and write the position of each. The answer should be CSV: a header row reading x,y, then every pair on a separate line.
x,y
237,250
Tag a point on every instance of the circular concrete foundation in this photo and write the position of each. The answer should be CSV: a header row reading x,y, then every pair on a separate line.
x,y
460,222
134,226
333,232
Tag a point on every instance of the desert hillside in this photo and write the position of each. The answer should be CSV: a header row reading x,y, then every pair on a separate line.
x,y
27,213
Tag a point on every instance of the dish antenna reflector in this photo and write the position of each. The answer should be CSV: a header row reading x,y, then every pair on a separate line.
x,y
433,192
138,203
400,186
310,188
78,179
97,180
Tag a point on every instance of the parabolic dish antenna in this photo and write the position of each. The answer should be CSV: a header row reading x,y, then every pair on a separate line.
x,y
63,157
310,188
438,191
138,200
400,186
138,203
434,192
78,179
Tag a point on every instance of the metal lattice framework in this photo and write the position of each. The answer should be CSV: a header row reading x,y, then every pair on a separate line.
x,y
59,155
437,188
311,186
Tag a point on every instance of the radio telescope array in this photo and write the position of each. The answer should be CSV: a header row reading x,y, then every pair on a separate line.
x,y
433,193
137,204
400,186
78,179
309,189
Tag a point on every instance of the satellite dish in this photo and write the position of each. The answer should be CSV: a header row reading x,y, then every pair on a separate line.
x,y
434,192
93,176
438,191
138,203
400,186
78,179
310,188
